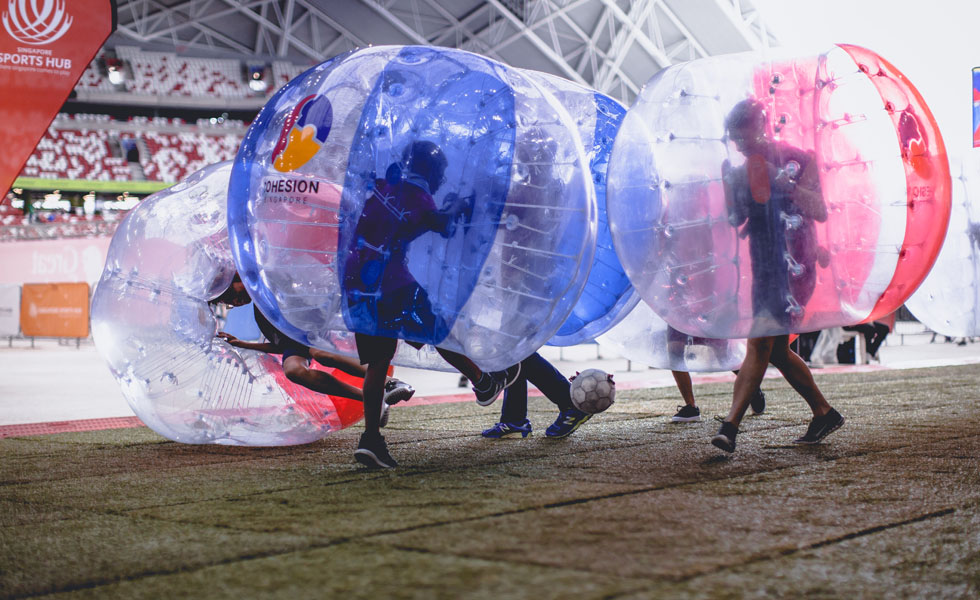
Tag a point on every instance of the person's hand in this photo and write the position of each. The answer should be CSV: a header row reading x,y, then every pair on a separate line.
x,y
823,257
784,180
727,173
232,340
459,206
451,203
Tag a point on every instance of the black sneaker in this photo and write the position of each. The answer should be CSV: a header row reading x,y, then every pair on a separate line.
x,y
687,414
384,414
397,391
372,452
821,427
725,438
495,382
758,402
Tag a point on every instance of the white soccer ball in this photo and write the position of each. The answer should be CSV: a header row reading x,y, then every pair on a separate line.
x,y
593,391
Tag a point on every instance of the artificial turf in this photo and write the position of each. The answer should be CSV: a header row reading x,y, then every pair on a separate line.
x,y
630,506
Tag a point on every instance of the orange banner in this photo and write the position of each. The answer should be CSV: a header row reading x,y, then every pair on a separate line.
x,y
54,310
45,46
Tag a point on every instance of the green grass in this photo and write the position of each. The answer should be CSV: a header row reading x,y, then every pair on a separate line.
x,y
630,506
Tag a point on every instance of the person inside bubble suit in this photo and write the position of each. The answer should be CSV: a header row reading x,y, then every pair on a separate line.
x,y
296,358
382,291
525,269
555,387
677,343
774,197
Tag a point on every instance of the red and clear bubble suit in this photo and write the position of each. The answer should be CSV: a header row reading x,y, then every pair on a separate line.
x,y
752,196
152,323
421,193
643,337
608,294
948,301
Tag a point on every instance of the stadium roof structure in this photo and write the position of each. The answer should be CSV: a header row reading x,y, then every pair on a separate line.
x,y
613,46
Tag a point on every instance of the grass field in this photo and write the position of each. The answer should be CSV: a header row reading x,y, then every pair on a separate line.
x,y
630,506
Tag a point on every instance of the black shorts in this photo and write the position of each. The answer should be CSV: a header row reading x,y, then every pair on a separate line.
x,y
294,349
375,348
284,344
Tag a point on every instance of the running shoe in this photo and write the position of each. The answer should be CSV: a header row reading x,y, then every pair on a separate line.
x,y
492,384
502,430
397,391
725,438
372,452
821,427
566,423
687,414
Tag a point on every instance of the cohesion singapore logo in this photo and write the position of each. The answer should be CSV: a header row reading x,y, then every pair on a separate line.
x,y
303,134
36,22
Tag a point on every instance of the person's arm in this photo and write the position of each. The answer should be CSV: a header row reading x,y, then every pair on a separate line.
x,y
805,190
443,221
257,346
729,177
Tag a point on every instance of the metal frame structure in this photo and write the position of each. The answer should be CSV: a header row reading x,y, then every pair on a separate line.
x,y
613,46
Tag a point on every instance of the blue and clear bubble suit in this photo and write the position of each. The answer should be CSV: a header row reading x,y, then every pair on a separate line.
x,y
711,240
643,337
948,300
422,193
152,323
608,294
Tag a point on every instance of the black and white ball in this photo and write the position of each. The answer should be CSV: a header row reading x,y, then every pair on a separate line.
x,y
593,391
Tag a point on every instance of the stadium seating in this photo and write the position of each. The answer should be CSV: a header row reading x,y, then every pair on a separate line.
x,y
76,154
166,74
94,147
78,148
92,79
174,156
282,72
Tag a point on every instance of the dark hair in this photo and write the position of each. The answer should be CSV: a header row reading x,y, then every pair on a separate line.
x,y
747,114
229,295
425,158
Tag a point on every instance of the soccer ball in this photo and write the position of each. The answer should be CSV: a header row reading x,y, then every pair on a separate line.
x,y
593,391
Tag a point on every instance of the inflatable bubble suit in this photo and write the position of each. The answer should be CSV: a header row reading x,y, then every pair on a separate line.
x,y
752,196
608,294
422,193
152,323
643,337
948,301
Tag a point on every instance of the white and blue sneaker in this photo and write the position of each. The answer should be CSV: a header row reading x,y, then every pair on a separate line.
x,y
566,423
502,430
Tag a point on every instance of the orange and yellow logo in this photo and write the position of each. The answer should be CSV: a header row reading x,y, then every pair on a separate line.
x,y
303,134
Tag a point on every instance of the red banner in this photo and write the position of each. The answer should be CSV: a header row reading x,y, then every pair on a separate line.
x,y
45,46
